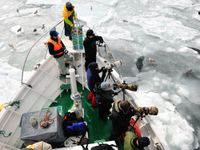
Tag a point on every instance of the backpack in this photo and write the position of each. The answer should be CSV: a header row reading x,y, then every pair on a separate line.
x,y
103,147
76,128
73,126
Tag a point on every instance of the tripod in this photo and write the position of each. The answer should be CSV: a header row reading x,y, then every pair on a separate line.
x,y
123,90
109,75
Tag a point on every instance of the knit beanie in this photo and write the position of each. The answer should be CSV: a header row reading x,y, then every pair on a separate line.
x,y
143,142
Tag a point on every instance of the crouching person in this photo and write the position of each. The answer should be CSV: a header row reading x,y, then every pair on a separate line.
x,y
133,139
104,98
133,142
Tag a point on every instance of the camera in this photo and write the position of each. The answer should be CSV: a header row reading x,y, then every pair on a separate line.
x,y
143,111
101,44
114,64
129,86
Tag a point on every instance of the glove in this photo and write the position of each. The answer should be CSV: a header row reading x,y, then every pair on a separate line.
x,y
66,51
102,68
146,110
115,86
116,93
101,39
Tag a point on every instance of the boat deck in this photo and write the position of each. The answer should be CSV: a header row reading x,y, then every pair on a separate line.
x,y
98,129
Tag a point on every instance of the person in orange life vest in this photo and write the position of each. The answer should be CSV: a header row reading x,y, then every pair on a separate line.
x,y
57,49
69,16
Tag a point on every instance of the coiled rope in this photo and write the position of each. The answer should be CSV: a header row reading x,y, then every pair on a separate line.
x,y
4,134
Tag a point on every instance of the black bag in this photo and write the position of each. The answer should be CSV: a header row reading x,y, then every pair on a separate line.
x,y
103,147
68,120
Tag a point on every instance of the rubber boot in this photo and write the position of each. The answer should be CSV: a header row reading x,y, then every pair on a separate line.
x,y
93,101
90,95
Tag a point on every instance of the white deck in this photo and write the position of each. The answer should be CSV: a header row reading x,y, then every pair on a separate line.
x,y
45,88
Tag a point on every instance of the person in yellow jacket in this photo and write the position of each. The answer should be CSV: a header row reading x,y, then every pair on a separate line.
x,y
133,142
69,17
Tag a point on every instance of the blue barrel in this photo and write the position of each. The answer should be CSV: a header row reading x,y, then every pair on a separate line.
x,y
77,38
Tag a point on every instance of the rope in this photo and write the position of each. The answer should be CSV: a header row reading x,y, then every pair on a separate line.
x,y
3,132
46,121
62,33
14,103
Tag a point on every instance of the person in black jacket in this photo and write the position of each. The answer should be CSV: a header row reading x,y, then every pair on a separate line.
x,y
90,47
57,49
104,98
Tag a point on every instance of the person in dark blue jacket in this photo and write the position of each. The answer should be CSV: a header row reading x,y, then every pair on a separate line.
x,y
93,79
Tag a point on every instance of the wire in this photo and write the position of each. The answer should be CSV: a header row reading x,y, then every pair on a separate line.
x,y
117,68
